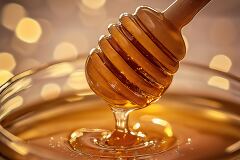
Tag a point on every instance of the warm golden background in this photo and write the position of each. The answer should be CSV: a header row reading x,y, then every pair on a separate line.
x,y
35,32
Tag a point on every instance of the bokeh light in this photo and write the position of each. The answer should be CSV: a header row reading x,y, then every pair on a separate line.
x,y
92,17
12,13
219,82
65,50
77,80
7,61
50,91
221,63
28,30
5,76
93,4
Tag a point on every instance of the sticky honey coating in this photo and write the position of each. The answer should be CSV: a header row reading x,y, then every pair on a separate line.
x,y
134,65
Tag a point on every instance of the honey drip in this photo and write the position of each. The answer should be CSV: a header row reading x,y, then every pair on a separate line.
x,y
131,68
121,143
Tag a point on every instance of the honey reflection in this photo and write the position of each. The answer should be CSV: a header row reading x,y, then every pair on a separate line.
x,y
16,87
219,82
140,134
59,70
159,121
18,148
233,148
154,108
136,126
216,115
75,98
206,102
167,130
10,105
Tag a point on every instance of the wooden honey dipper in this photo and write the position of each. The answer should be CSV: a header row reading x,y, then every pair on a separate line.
x,y
136,62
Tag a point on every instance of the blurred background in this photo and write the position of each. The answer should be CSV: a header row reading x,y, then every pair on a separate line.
x,y
36,32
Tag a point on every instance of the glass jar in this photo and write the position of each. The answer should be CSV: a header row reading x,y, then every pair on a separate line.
x,y
40,108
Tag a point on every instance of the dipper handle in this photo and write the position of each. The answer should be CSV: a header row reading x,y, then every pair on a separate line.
x,y
181,12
